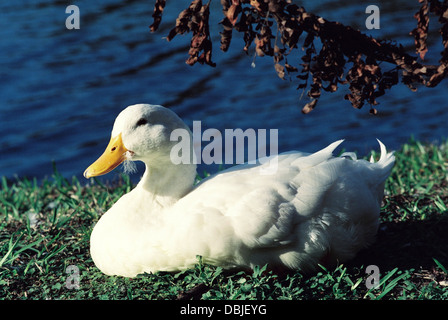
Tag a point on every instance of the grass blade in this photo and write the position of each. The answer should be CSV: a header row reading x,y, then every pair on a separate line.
x,y
10,250
440,265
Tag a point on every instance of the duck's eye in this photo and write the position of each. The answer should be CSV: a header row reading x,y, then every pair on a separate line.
x,y
141,122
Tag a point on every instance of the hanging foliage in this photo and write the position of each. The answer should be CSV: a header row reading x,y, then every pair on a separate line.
x,y
345,56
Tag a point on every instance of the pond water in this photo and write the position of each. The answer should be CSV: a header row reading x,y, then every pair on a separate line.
x,y
61,89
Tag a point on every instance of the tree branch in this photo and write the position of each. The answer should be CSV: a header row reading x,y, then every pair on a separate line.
x,y
346,56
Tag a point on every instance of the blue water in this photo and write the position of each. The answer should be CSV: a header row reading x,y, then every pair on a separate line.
x,y
61,89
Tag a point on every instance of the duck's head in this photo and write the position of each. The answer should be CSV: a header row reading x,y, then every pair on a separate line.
x,y
141,132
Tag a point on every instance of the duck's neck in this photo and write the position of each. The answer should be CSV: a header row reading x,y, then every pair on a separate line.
x,y
166,183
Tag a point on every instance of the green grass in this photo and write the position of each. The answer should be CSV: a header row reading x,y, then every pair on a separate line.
x,y
45,228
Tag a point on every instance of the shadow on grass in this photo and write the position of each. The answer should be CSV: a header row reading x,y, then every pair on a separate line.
x,y
407,245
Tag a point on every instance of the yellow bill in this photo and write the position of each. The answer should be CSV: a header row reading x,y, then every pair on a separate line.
x,y
109,160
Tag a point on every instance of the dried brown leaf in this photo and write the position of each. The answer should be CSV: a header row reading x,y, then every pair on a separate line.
x,y
290,68
280,70
421,32
157,15
233,12
309,106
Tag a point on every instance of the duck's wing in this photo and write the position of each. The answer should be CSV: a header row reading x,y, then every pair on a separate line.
x,y
296,177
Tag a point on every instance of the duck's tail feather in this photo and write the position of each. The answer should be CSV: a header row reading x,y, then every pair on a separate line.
x,y
386,161
317,157
380,171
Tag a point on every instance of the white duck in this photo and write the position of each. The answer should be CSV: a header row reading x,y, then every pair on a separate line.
x,y
314,209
